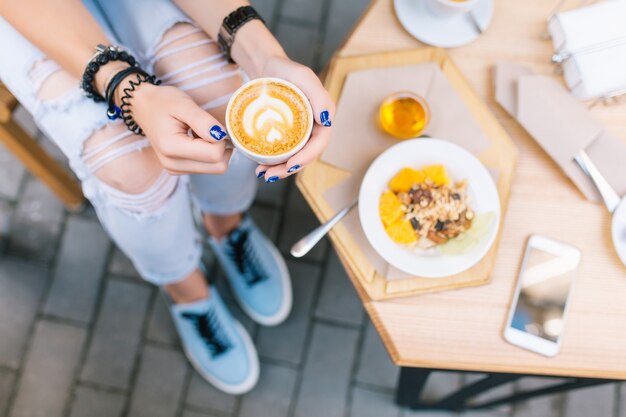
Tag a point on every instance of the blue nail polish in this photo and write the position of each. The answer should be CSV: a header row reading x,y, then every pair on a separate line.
x,y
293,168
272,179
217,133
260,174
325,118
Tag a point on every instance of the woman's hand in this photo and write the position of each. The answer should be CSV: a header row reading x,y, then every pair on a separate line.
x,y
323,111
259,54
166,114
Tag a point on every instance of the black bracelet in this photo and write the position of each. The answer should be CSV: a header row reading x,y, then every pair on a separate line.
x,y
126,112
103,56
231,24
113,111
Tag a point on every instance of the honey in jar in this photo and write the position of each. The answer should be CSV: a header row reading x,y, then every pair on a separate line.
x,y
404,115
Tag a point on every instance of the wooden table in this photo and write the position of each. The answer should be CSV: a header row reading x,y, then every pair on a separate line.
x,y
462,329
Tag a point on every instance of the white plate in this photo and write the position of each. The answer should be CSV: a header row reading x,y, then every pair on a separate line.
x,y
460,165
445,32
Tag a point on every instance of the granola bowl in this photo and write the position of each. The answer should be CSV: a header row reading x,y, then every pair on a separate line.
x,y
447,217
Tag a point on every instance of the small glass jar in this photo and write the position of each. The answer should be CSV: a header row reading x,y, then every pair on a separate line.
x,y
404,115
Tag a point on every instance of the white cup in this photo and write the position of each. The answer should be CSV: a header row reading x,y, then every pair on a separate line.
x,y
449,8
270,159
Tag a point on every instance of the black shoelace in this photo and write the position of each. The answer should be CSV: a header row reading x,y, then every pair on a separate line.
x,y
210,330
244,256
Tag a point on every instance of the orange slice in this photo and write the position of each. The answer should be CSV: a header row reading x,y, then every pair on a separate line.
x,y
389,208
404,179
437,174
402,232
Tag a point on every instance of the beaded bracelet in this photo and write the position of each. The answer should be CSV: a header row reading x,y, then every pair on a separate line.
x,y
103,56
125,110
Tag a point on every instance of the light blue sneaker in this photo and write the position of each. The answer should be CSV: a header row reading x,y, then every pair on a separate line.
x,y
257,273
217,345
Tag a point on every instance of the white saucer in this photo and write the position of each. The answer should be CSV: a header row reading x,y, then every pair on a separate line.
x,y
448,32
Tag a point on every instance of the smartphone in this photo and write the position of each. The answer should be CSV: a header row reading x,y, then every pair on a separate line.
x,y
537,316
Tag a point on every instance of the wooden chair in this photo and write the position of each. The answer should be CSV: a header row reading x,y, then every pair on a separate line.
x,y
34,157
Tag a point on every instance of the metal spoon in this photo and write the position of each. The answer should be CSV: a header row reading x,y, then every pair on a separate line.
x,y
308,242
475,23
613,202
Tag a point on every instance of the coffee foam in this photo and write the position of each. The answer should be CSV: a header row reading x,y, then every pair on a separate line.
x,y
269,118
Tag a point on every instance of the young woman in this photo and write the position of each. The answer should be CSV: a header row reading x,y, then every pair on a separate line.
x,y
142,186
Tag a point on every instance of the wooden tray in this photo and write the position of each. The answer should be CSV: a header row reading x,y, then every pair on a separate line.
x,y
319,177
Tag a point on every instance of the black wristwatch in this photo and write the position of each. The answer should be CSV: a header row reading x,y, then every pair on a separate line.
x,y
230,26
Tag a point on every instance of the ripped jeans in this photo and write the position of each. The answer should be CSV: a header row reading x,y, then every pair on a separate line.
x,y
146,211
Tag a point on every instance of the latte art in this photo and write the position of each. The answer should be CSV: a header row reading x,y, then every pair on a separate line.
x,y
269,118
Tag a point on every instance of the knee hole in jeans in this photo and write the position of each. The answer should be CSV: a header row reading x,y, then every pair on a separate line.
x,y
123,162
189,59
129,168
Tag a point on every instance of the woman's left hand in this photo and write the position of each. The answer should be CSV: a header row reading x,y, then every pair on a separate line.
x,y
323,112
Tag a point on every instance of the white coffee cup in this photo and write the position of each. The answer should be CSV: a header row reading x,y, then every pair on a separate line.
x,y
270,159
449,8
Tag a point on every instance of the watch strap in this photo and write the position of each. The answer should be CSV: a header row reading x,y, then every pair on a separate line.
x,y
231,24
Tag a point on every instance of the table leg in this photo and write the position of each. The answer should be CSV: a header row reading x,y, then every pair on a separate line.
x,y
576,383
459,399
42,165
413,380
410,386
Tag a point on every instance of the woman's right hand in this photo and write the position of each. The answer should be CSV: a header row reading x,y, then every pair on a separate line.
x,y
166,114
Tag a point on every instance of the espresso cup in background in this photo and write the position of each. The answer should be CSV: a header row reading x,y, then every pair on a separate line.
x,y
449,8
269,120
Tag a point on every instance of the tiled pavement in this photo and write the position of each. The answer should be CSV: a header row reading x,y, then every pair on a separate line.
x,y
82,336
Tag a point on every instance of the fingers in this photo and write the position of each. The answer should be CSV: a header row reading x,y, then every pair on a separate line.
x,y
181,146
261,170
322,104
272,173
200,121
320,136
167,115
185,166
314,147
171,140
